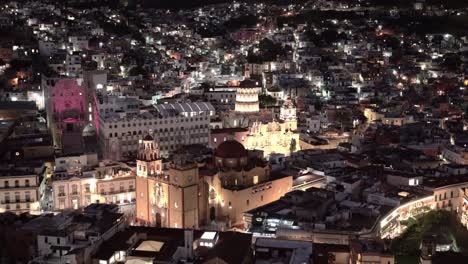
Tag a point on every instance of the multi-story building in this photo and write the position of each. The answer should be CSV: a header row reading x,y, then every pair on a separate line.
x,y
276,136
463,207
71,237
20,190
455,154
222,98
67,113
172,126
79,181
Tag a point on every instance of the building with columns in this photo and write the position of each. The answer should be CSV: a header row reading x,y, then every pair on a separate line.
x,y
79,181
172,126
247,97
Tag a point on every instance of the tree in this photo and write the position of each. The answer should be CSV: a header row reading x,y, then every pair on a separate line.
x,y
266,100
137,70
292,147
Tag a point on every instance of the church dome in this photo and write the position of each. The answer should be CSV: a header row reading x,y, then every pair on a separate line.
x,y
231,149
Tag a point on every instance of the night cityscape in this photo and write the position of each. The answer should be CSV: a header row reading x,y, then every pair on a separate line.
x,y
234,132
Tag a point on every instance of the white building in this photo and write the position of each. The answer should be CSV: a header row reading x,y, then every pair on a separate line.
x,y
20,190
79,181
172,126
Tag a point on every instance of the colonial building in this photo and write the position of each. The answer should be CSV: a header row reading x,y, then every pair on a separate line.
x,y
266,132
20,190
79,181
168,198
172,125
67,113
188,194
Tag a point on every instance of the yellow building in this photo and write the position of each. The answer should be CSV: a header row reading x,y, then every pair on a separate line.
x,y
165,199
238,183
276,136
273,137
188,195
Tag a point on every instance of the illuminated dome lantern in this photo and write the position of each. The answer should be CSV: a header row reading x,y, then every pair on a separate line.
x,y
231,154
247,97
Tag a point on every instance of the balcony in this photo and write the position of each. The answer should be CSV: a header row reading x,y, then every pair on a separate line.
x,y
61,194
17,201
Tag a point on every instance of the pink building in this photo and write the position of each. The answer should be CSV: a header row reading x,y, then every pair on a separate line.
x,y
69,115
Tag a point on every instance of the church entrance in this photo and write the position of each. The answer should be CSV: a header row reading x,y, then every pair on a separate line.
x,y
158,220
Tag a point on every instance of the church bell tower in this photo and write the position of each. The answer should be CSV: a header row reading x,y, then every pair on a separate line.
x,y
149,169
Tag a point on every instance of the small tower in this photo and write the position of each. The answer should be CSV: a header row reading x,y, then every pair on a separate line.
x,y
149,159
149,166
288,111
247,97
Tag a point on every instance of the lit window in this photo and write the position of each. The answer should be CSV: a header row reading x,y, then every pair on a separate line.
x,y
255,179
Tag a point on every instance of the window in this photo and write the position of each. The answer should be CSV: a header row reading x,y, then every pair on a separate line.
x,y
247,202
255,179
16,183
6,184
61,190
26,183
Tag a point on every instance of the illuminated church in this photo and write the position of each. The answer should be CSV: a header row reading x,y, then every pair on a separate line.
x,y
267,133
167,198
190,195
275,136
